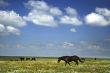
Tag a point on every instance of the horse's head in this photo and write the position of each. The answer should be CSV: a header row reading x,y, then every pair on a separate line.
x,y
83,60
59,59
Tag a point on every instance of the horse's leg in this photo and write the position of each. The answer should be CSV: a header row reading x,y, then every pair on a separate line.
x,y
76,62
69,63
65,63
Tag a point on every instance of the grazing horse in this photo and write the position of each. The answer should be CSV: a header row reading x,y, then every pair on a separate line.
x,y
33,59
27,59
22,58
69,59
95,58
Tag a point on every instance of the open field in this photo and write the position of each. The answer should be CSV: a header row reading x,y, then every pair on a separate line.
x,y
51,66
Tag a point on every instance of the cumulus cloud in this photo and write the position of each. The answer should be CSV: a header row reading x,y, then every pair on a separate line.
x,y
71,17
71,11
70,20
73,30
11,18
41,13
10,21
8,30
95,19
44,14
55,11
101,17
38,5
13,30
103,11
40,19
3,3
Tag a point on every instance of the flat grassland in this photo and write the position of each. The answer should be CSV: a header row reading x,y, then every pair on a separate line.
x,y
51,66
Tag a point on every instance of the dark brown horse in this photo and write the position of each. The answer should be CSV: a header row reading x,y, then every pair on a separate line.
x,y
69,59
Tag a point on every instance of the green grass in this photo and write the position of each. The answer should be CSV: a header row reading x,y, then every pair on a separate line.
x,y
51,66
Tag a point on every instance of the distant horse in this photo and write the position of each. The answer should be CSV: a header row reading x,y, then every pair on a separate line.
x,y
69,59
33,59
95,58
27,59
22,58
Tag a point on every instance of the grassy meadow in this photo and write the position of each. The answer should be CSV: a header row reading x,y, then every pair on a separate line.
x,y
51,66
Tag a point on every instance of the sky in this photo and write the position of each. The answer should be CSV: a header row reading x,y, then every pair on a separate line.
x,y
55,28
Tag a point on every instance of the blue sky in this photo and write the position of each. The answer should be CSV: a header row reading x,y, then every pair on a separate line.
x,y
55,28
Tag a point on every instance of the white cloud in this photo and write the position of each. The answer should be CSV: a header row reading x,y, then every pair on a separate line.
x,y
71,17
82,46
55,11
96,47
13,30
4,31
70,20
103,11
101,17
95,19
38,5
41,14
41,19
71,11
3,3
73,30
10,21
67,45
46,15
11,18
2,28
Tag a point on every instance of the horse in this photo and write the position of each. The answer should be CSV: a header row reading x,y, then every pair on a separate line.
x,y
33,59
95,58
69,59
22,58
27,59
